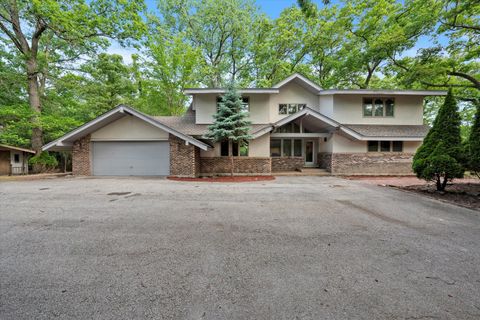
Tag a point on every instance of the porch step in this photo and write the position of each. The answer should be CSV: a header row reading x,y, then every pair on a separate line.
x,y
304,172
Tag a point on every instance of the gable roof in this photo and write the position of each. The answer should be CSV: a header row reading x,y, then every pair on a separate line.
x,y
300,80
109,117
5,146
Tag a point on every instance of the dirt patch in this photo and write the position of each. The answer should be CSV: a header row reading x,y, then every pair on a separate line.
x,y
118,193
225,179
462,194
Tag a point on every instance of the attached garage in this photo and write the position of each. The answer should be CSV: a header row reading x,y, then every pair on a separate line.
x,y
131,158
125,142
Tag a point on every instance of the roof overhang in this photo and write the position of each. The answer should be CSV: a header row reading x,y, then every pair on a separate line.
x,y
223,90
300,80
307,112
422,93
65,142
353,134
7,147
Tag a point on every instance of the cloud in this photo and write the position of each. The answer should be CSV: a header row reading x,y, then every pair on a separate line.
x,y
126,53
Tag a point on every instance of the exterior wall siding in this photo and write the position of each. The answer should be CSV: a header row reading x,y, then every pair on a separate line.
x,y
287,164
184,159
81,157
372,163
241,165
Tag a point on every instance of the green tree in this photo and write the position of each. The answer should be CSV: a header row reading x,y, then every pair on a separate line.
x,y
167,69
70,28
440,157
474,145
221,30
230,123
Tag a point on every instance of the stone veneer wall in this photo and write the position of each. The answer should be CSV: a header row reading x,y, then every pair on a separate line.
x,y
184,159
324,160
372,163
287,163
241,165
81,158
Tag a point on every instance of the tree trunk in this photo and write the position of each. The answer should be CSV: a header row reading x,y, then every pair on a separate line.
x,y
230,151
35,105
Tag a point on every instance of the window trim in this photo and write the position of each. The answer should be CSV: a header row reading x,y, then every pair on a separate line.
x,y
384,99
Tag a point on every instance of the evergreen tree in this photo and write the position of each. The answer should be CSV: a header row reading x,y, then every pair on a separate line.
x,y
231,122
474,145
440,156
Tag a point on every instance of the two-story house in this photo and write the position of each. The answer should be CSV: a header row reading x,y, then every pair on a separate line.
x,y
295,124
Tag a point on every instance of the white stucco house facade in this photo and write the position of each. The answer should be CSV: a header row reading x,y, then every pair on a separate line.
x,y
295,124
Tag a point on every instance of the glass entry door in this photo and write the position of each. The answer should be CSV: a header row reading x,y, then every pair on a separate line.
x,y
309,153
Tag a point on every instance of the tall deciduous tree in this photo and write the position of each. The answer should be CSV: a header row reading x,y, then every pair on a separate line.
x,y
230,123
70,28
440,156
474,145
222,30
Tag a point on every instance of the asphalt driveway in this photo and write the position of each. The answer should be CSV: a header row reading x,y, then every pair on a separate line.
x,y
293,248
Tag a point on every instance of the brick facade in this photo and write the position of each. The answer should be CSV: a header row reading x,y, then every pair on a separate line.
x,y
241,165
81,157
287,164
372,163
184,159
324,160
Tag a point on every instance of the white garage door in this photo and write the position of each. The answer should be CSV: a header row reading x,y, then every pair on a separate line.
x,y
135,158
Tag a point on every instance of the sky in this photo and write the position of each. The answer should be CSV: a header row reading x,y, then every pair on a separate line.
x,y
272,8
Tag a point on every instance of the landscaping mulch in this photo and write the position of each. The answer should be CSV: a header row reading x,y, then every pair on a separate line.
x,y
225,179
462,194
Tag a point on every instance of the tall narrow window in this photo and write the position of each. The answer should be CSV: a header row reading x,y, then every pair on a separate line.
x,y
243,150
275,147
287,147
16,158
235,149
367,107
389,104
224,149
378,108
297,148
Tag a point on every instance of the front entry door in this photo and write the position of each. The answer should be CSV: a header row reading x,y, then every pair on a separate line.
x,y
309,153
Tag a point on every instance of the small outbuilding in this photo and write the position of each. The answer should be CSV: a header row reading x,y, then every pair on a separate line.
x,y
14,160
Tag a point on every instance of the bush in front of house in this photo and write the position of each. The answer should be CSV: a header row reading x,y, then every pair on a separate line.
x,y
43,162
440,158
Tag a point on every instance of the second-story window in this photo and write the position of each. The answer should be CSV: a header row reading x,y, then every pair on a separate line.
x,y
245,103
290,108
378,107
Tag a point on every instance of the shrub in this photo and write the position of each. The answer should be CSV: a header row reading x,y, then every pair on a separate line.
x,y
441,156
43,162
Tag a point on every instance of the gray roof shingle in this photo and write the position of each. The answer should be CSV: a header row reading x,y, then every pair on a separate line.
x,y
186,124
411,131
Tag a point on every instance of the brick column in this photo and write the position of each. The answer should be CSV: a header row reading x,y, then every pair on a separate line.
x,y
81,165
184,159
